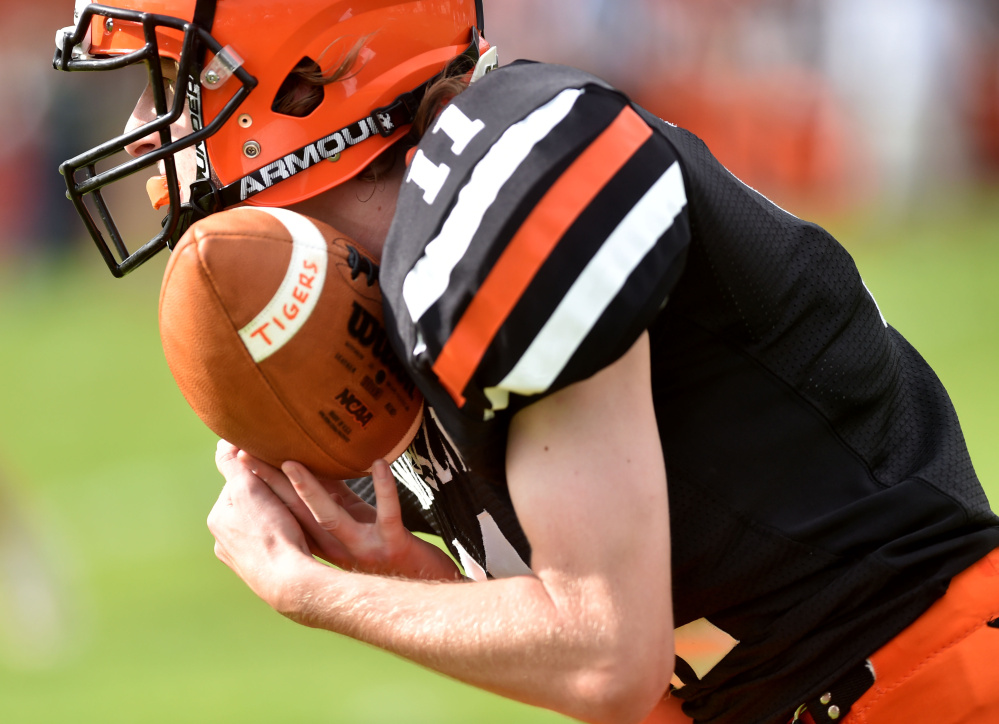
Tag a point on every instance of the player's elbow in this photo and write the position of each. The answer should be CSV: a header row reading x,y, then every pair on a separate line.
x,y
624,686
620,699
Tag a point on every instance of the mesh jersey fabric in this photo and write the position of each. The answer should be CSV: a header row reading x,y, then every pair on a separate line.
x,y
821,493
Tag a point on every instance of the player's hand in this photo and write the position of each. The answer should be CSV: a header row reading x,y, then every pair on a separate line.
x,y
256,535
375,539
319,541
344,530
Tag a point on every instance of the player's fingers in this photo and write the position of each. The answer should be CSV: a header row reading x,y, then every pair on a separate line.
x,y
341,489
388,509
224,447
318,538
258,467
348,499
325,509
238,466
276,480
225,457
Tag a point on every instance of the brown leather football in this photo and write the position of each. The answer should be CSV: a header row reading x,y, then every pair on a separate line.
x,y
271,324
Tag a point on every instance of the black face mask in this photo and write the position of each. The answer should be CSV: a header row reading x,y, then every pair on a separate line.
x,y
85,183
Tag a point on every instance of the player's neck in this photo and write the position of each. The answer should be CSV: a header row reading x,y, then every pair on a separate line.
x,y
361,210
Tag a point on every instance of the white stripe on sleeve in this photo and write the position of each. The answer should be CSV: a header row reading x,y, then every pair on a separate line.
x,y
429,278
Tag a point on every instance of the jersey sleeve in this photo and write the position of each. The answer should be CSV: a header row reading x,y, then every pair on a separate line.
x,y
548,233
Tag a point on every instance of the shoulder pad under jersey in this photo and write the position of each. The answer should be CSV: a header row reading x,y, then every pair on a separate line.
x,y
539,230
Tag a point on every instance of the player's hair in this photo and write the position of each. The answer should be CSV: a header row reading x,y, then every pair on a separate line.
x,y
302,92
454,80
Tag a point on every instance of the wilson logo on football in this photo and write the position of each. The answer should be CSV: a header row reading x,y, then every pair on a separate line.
x,y
365,328
294,301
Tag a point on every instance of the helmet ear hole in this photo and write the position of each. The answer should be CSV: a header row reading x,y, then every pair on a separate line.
x,y
302,91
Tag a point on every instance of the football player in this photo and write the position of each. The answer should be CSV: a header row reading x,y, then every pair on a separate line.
x,y
664,414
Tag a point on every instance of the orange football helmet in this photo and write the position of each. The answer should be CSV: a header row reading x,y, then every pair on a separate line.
x,y
234,56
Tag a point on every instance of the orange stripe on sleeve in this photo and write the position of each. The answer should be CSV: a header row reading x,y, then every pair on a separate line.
x,y
532,245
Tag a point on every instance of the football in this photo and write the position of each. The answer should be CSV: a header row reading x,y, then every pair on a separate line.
x,y
271,324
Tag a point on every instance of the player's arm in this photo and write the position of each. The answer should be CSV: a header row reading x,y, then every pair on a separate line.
x,y
590,635
587,478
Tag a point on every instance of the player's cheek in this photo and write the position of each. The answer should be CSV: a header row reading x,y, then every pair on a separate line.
x,y
187,165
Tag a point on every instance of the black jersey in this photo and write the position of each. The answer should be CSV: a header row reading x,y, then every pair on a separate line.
x,y
821,494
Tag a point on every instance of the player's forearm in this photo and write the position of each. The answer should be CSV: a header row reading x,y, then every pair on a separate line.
x,y
568,650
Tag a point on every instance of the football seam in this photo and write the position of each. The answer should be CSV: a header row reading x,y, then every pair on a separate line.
x,y
256,368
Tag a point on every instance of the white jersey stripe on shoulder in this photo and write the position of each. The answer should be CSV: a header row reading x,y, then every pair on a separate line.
x,y
597,286
290,307
429,278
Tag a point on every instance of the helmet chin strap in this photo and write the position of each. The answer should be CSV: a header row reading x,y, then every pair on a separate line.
x,y
204,198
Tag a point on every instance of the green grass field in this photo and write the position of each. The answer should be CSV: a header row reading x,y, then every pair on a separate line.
x,y
110,478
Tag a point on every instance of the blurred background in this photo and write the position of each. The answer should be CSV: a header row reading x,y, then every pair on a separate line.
x,y
877,118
